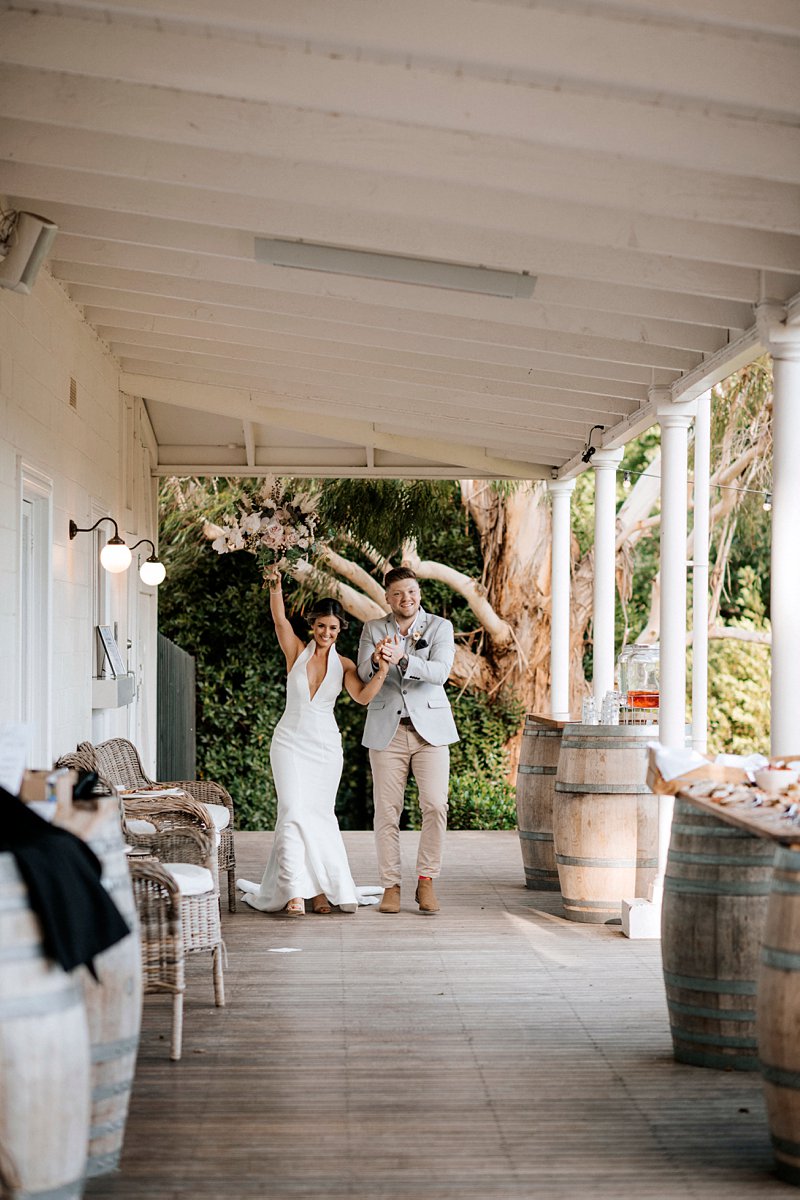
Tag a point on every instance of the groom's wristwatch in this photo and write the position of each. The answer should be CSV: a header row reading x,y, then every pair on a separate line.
x,y
403,664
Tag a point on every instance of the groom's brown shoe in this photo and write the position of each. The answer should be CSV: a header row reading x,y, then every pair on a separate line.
x,y
425,896
390,902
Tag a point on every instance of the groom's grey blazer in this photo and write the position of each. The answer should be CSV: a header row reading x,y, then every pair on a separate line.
x,y
422,686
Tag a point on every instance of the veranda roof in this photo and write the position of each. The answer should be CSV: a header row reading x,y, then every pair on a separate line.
x,y
633,165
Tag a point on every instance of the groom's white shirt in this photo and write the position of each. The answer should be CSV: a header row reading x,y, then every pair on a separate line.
x,y
419,693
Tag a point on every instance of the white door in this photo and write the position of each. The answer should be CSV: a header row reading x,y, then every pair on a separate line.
x,y
35,612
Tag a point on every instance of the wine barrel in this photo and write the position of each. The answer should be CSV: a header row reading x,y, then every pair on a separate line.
x,y
778,1013
113,1002
44,1057
536,777
605,820
716,889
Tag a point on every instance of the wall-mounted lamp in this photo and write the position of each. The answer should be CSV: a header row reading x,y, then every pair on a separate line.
x,y
152,571
115,555
589,449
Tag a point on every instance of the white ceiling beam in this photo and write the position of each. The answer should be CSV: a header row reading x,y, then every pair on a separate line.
x,y
388,396
230,401
378,195
481,359
779,18
686,135
135,312
403,469
435,358
596,264
238,303
487,385
661,263
609,349
532,437
149,232
679,335
530,46
250,132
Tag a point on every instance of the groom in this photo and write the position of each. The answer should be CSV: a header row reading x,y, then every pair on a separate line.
x,y
409,728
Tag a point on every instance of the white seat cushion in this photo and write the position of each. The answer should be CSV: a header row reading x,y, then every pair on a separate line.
x,y
220,815
190,878
135,825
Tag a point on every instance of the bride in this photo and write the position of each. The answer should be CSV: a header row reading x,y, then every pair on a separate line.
x,y
308,859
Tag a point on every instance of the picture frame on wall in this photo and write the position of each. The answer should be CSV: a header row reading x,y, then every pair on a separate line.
x,y
111,650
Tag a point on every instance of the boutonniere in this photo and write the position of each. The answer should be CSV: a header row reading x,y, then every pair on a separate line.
x,y
417,639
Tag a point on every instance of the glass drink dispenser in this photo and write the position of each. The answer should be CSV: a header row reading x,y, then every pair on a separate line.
x,y
640,684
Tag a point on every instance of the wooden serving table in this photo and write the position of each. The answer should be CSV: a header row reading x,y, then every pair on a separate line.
x,y
778,993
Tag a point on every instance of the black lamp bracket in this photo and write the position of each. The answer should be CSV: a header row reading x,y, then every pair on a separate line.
x,y
115,540
146,541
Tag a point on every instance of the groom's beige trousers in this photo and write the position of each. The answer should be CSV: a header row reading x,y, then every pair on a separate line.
x,y
430,766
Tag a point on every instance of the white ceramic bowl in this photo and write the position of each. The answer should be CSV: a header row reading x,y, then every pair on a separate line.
x,y
773,780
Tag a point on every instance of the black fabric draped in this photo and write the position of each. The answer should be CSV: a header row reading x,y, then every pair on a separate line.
x,y
78,917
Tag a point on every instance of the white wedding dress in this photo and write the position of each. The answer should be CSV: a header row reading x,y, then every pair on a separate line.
x,y
308,857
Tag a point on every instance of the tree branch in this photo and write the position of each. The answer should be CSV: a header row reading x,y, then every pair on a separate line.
x,y
355,574
498,629
734,633
355,603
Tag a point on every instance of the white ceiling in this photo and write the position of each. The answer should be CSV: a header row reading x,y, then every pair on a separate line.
x,y
641,158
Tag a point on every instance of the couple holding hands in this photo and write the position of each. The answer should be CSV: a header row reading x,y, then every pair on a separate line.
x,y
404,660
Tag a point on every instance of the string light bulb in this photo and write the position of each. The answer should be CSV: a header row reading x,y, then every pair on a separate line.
x,y
767,505
626,481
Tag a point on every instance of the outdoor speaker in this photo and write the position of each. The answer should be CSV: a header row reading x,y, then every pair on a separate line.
x,y
27,247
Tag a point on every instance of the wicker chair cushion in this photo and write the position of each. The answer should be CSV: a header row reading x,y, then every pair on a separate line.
x,y
191,879
139,827
220,814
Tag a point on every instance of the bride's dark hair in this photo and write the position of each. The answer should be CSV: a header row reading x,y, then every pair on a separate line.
x,y
327,608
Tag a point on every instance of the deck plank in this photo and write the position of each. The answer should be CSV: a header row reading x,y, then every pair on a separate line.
x,y
492,1052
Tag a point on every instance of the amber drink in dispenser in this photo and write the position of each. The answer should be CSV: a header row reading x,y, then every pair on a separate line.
x,y
641,677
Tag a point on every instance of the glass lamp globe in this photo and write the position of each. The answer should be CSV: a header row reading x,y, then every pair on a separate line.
x,y
152,572
115,556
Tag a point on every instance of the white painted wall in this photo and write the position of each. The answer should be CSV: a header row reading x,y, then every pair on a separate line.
x,y
98,458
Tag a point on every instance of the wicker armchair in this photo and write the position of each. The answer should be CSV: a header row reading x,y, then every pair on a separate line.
x,y
176,887
158,903
178,906
117,761
162,826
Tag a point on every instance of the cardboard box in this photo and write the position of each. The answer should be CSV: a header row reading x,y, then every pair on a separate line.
x,y
34,789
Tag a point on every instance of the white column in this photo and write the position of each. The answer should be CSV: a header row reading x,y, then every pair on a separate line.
x,y
641,919
605,463
702,468
561,492
784,344
675,420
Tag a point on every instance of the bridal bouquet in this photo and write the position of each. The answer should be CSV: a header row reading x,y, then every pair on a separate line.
x,y
276,525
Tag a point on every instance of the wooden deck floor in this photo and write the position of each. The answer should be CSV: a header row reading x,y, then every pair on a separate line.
x,y
495,1051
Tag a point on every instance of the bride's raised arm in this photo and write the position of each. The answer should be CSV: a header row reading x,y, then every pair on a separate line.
x,y
288,640
362,692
